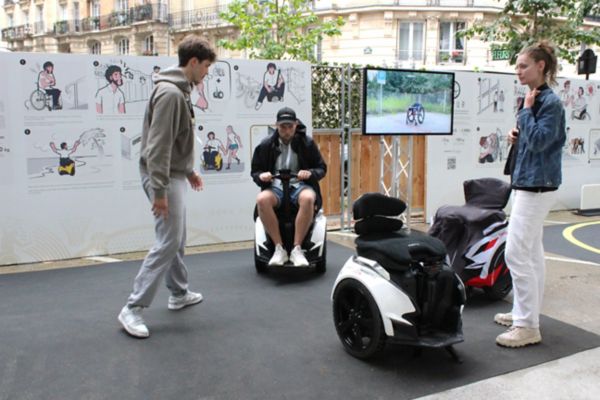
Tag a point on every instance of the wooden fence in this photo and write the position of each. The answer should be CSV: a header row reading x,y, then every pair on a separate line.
x,y
365,156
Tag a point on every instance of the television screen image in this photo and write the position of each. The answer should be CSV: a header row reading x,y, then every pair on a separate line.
x,y
407,102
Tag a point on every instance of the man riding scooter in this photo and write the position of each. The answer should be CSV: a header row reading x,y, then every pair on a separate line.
x,y
288,148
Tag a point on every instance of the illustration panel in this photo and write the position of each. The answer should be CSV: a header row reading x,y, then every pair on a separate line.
x,y
52,84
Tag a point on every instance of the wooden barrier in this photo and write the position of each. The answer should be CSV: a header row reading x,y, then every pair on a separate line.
x,y
365,156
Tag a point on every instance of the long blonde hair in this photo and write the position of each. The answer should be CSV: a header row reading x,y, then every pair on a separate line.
x,y
544,51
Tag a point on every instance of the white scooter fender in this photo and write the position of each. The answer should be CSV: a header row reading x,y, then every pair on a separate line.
x,y
390,300
318,232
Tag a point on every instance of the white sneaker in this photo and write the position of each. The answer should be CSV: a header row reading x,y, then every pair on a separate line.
x,y
518,336
504,319
132,321
188,299
280,256
297,257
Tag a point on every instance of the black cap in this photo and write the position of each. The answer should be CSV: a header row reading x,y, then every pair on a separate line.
x,y
286,114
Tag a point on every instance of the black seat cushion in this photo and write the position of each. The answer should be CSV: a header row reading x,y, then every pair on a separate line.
x,y
377,224
490,193
396,251
370,204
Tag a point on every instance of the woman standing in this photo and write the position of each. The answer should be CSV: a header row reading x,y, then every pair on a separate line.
x,y
535,169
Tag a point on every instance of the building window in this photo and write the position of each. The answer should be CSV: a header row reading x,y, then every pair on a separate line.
x,y
452,48
123,46
62,13
411,41
148,46
95,8
96,48
11,20
122,5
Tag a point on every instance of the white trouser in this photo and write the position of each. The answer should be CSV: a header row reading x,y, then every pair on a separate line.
x,y
525,254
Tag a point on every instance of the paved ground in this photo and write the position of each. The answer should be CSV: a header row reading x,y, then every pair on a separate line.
x,y
571,296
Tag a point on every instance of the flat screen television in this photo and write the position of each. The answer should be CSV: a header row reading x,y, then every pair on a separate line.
x,y
407,102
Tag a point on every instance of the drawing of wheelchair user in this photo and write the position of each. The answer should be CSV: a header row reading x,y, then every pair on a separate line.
x,y
580,106
415,114
489,148
213,153
66,164
273,86
46,95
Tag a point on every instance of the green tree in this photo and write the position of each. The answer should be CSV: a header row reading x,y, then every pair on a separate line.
x,y
524,22
277,29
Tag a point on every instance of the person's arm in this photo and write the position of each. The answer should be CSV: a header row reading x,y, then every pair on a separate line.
x,y
99,109
258,168
121,105
541,131
53,148
163,127
318,168
75,145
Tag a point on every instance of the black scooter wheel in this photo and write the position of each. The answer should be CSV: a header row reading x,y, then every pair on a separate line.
x,y
357,319
503,285
261,266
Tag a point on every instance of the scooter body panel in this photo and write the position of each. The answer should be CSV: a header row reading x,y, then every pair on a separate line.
x,y
391,301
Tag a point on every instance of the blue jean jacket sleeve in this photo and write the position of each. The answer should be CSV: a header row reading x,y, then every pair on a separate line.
x,y
542,133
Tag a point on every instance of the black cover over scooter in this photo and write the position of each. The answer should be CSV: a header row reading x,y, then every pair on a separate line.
x,y
461,226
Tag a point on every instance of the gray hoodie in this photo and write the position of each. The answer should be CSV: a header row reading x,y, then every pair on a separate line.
x,y
168,133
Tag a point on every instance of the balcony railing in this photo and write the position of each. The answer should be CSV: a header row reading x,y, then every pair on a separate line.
x,y
333,5
16,33
206,17
66,27
141,13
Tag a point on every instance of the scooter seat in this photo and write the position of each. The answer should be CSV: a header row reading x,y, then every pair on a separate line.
x,y
396,251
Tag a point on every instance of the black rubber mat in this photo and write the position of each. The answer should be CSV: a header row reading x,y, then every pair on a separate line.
x,y
555,242
254,337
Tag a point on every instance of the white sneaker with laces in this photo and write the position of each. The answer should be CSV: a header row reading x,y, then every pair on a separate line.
x,y
504,319
519,336
132,321
297,257
280,256
188,299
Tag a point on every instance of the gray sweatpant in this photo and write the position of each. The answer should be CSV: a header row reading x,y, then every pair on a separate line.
x,y
166,255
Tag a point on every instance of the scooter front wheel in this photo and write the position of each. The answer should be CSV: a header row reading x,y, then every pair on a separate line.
x,y
357,319
261,266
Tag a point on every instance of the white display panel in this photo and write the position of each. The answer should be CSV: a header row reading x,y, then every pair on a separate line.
x,y
100,208
484,111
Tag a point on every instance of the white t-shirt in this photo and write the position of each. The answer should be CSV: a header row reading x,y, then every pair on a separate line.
x,y
271,80
110,100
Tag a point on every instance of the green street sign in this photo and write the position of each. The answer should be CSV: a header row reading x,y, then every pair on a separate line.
x,y
500,54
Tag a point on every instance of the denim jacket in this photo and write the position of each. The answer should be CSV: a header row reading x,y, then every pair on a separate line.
x,y
540,144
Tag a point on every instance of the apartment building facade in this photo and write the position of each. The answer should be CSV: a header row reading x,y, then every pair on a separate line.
x,y
393,33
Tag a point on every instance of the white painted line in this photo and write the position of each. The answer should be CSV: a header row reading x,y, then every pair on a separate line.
x,y
571,260
103,259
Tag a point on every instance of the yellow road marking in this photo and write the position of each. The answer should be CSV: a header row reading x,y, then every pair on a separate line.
x,y
568,234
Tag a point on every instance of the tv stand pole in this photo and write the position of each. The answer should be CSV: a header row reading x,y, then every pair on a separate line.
x,y
395,177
